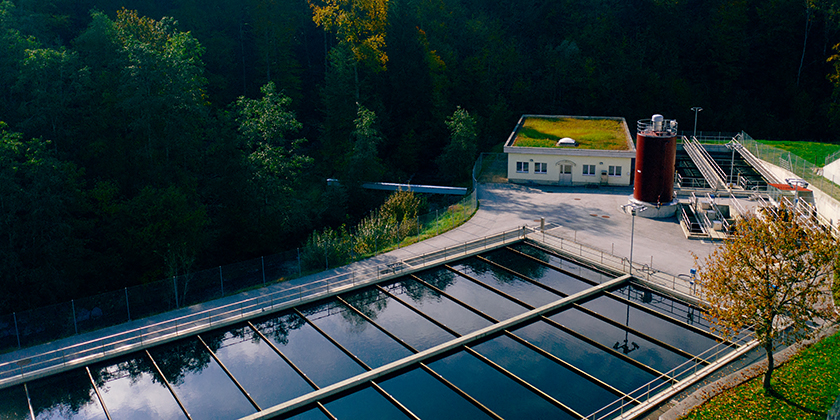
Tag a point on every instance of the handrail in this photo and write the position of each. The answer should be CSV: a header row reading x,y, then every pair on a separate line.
x,y
715,167
756,164
691,147
724,223
146,336
688,369
613,262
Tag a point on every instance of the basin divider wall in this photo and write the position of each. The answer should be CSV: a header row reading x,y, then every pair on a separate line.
x,y
418,312
98,394
406,362
229,373
168,385
587,311
454,299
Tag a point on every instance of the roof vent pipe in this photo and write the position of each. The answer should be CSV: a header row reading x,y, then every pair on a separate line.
x,y
657,120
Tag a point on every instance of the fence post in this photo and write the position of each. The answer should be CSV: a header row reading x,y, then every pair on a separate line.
x,y
127,309
300,270
17,332
262,260
73,305
222,280
175,287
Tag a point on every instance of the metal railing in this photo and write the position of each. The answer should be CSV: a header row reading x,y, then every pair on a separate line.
x,y
614,262
148,335
41,325
720,352
698,155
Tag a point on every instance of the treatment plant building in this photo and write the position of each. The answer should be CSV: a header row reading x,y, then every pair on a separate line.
x,y
570,150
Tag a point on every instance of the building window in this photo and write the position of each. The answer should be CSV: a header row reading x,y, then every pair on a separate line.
x,y
540,168
589,170
522,167
615,171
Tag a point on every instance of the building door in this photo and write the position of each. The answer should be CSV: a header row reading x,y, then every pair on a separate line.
x,y
565,173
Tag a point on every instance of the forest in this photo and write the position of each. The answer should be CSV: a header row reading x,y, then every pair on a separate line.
x,y
141,140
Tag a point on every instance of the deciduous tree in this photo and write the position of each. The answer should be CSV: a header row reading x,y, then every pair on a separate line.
x,y
275,159
458,156
773,275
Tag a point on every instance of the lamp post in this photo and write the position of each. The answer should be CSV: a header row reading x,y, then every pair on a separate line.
x,y
796,184
634,208
696,109
732,145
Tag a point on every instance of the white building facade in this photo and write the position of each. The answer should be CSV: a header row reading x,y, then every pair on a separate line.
x,y
569,165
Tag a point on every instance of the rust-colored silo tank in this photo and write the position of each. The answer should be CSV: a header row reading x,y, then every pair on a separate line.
x,y
656,154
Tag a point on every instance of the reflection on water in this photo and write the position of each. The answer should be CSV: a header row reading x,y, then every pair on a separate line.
x,y
364,405
478,297
396,318
638,348
428,398
520,289
596,362
495,390
131,389
322,362
261,371
564,385
13,404
368,301
356,334
67,395
201,384
438,307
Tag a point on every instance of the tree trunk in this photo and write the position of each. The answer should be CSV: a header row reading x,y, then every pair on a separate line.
x,y
805,41
768,347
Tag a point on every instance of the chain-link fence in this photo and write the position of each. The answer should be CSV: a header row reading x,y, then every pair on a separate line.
x,y
490,168
793,163
40,325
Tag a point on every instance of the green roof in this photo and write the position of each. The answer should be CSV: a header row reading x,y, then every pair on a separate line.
x,y
588,132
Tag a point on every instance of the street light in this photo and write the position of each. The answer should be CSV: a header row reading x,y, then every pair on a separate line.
x,y
796,184
634,208
732,145
696,109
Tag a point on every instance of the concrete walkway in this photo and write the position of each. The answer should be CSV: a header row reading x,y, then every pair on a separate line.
x,y
589,216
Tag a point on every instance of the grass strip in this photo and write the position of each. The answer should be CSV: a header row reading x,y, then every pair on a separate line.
x,y
804,388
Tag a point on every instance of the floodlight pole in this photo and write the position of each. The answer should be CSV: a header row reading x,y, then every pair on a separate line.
x,y
696,109
634,208
733,145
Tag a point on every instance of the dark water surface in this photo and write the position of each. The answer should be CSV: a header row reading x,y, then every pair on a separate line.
x,y
133,389
201,384
364,405
493,389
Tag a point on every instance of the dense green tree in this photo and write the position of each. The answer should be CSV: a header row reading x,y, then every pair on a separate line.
x,y
165,231
456,161
38,194
275,161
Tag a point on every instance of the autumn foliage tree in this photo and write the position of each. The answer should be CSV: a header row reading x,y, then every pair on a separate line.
x,y
773,275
